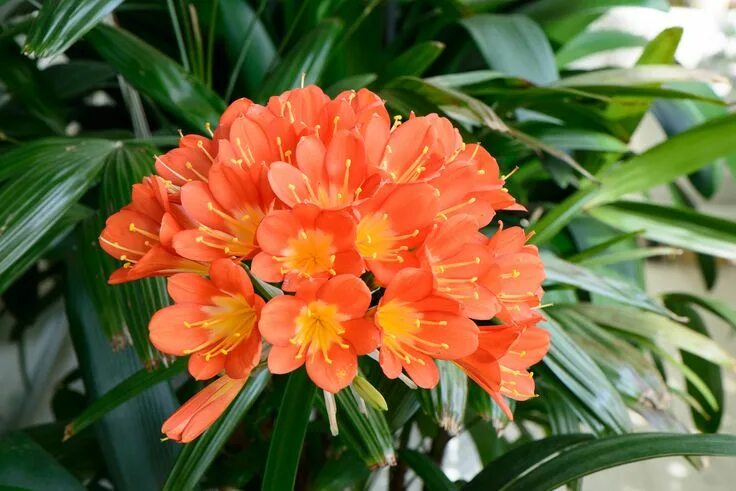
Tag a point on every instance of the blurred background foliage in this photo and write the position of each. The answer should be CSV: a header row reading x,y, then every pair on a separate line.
x,y
91,90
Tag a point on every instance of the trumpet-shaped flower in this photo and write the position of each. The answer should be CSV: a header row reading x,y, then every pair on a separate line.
x,y
515,276
215,321
418,326
304,243
501,362
391,224
329,176
322,326
456,254
141,235
470,185
190,161
199,412
418,148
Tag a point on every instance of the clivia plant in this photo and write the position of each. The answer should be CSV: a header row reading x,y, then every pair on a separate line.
x,y
335,245
372,230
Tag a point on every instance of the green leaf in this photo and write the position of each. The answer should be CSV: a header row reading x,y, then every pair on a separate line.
x,y
24,464
124,391
678,116
503,470
576,138
288,434
351,83
563,19
591,42
24,83
563,464
50,176
629,255
627,367
415,61
579,373
307,59
678,227
658,329
446,402
561,271
159,77
367,433
196,457
429,472
552,10
59,24
56,234
78,77
238,26
661,49
639,75
561,214
130,436
514,45
708,419
714,306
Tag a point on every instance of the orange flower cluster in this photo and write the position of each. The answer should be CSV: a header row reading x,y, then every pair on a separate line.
x,y
370,226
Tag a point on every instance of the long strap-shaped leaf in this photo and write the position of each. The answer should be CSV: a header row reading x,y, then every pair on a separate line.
x,y
562,465
308,59
288,435
517,461
157,76
198,455
124,391
59,24
430,473
34,200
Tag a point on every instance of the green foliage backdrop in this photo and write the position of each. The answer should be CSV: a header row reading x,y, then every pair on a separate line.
x,y
90,91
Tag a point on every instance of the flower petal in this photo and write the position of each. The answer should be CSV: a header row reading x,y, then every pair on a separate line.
x,y
191,288
278,319
202,369
334,375
282,359
168,331
231,278
362,334
348,292
245,357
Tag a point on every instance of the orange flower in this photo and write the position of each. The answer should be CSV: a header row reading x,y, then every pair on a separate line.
x,y
228,209
330,177
515,276
417,326
305,243
322,326
456,254
215,321
470,185
391,224
140,235
419,148
199,412
500,366
504,354
190,161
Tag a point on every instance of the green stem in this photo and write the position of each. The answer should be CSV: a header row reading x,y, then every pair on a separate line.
x,y
288,435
